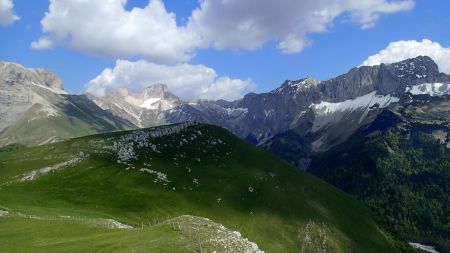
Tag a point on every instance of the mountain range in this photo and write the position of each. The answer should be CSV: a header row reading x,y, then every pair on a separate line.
x,y
326,111
380,133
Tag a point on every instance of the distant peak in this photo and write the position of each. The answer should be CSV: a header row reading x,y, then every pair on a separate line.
x,y
310,80
297,85
156,90
14,72
420,66
419,60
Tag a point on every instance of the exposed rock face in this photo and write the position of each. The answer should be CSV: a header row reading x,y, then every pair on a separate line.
x,y
142,109
31,99
12,73
49,79
17,93
385,79
329,110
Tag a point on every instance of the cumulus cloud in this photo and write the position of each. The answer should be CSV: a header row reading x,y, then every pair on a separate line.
x,y
105,27
185,80
7,15
238,24
402,50
42,43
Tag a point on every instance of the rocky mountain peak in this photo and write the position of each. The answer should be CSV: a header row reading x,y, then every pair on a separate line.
x,y
155,91
143,109
50,79
415,71
419,65
292,87
384,79
12,73
308,82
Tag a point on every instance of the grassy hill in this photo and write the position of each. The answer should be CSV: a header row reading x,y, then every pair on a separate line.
x,y
57,197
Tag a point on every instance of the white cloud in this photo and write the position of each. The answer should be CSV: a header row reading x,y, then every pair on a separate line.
x,y
248,24
7,15
42,43
105,27
185,80
402,50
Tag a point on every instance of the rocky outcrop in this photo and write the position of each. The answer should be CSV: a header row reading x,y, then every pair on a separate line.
x,y
12,73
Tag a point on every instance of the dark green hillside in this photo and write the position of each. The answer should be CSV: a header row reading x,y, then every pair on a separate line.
x,y
138,178
401,172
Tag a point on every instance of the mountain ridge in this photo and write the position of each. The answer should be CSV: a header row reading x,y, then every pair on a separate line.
x,y
311,107
293,105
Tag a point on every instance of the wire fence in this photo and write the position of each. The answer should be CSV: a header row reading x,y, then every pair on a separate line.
x,y
186,229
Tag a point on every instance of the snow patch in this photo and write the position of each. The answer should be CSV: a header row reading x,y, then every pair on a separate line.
x,y
432,89
151,103
426,248
363,102
357,109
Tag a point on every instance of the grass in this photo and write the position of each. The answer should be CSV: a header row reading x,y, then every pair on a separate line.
x,y
24,235
232,182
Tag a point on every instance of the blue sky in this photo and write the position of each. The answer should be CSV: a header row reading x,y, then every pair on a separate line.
x,y
344,45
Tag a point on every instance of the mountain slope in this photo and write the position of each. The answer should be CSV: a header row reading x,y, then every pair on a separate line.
x,y
184,169
34,109
398,164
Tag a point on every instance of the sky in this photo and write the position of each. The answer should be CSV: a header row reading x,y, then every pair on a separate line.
x,y
216,49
